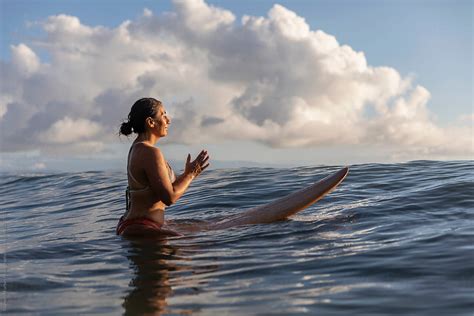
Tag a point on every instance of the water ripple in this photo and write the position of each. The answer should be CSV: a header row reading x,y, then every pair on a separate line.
x,y
392,239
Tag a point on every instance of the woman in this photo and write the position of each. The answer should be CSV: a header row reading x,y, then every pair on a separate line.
x,y
152,184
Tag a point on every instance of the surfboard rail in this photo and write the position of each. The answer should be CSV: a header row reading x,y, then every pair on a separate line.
x,y
285,206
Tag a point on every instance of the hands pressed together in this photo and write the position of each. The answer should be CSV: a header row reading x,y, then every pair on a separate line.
x,y
198,165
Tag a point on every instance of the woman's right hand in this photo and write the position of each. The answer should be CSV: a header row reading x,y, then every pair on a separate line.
x,y
198,165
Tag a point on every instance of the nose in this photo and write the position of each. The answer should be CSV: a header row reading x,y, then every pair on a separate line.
x,y
168,119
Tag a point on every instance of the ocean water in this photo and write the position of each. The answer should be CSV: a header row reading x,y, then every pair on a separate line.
x,y
391,239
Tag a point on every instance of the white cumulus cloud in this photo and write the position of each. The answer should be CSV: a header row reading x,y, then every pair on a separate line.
x,y
24,59
68,130
269,79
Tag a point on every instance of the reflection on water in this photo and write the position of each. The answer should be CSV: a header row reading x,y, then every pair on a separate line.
x,y
151,261
159,269
381,244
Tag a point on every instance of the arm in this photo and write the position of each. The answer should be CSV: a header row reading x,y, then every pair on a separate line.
x,y
157,174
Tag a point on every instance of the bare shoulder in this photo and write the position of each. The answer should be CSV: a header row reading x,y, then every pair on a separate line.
x,y
150,152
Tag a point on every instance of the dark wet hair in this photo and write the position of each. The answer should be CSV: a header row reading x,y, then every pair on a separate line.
x,y
141,110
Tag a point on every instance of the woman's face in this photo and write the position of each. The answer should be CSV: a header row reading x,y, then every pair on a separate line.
x,y
162,121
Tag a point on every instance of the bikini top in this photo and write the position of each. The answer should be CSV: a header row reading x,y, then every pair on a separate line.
x,y
171,175
130,191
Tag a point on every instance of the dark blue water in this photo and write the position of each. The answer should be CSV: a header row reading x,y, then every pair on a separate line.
x,y
392,239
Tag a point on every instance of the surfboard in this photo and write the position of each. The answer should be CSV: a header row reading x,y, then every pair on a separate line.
x,y
286,206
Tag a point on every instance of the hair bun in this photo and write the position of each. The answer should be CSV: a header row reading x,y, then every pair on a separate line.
x,y
126,128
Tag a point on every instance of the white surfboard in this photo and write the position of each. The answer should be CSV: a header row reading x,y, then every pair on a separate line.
x,y
285,206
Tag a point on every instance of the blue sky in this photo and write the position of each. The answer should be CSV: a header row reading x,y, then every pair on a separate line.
x,y
430,42
431,39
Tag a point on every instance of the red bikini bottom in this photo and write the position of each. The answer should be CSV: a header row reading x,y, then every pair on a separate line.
x,y
136,225
142,226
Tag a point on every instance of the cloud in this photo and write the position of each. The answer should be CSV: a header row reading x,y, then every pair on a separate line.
x,y
39,166
68,130
24,59
268,79
467,118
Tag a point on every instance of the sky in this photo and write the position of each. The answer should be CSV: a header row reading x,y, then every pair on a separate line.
x,y
255,82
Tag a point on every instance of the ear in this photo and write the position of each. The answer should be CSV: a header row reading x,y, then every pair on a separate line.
x,y
150,122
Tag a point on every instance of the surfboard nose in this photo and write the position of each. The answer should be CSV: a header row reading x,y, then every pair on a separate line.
x,y
344,171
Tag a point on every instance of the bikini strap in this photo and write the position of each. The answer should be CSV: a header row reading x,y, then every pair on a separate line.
x,y
130,174
171,174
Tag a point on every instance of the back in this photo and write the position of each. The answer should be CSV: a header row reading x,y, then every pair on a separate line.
x,y
143,201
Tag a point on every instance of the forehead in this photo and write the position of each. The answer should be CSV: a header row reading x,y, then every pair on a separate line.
x,y
160,109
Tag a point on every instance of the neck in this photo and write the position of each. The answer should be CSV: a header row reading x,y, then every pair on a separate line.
x,y
147,137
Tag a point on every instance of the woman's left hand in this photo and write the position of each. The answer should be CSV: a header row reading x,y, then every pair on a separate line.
x,y
198,165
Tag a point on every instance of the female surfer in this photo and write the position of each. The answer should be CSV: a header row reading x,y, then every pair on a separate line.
x,y
152,184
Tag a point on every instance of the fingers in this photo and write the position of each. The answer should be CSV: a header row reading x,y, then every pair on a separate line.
x,y
188,160
204,168
202,154
204,160
201,162
202,157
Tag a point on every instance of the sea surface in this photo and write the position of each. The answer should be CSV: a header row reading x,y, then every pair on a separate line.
x,y
392,239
